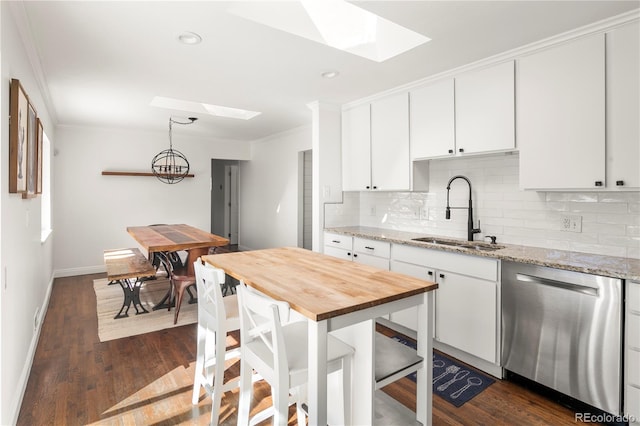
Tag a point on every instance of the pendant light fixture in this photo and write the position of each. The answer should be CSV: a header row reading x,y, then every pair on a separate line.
x,y
171,166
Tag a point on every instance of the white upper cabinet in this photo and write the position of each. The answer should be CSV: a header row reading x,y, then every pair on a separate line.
x,y
432,124
390,162
484,106
375,145
471,114
356,148
623,111
561,116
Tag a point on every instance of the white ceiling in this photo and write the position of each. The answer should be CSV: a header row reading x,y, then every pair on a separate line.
x,y
104,61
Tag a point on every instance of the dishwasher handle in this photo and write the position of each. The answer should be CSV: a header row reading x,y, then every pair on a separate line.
x,y
558,284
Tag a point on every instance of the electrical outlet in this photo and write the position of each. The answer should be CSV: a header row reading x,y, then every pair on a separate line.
x,y
571,223
372,210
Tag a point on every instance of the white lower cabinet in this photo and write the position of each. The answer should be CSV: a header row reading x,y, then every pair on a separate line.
x,y
409,317
632,354
361,250
340,246
466,304
466,314
371,252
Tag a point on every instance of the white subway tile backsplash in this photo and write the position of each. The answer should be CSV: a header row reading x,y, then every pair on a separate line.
x,y
626,219
572,196
610,219
619,197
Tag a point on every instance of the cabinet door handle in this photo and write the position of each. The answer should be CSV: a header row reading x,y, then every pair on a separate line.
x,y
460,150
619,183
368,187
369,248
348,253
335,241
375,187
450,151
441,275
355,254
430,273
598,183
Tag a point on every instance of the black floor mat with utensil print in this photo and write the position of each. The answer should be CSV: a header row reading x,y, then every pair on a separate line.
x,y
452,380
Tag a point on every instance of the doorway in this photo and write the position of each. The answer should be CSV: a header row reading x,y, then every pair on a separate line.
x,y
224,199
305,232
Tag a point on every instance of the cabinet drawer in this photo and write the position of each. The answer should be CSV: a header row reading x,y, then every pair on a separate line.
x,y
372,247
474,266
337,252
633,331
375,261
633,367
339,241
633,296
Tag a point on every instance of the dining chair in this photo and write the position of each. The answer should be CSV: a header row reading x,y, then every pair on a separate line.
x,y
277,351
217,315
180,281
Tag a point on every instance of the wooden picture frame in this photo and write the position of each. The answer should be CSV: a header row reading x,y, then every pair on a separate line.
x,y
18,129
39,147
32,153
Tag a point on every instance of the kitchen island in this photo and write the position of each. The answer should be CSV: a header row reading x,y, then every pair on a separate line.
x,y
345,298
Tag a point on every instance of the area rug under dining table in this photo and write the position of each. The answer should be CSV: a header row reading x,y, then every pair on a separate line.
x,y
109,301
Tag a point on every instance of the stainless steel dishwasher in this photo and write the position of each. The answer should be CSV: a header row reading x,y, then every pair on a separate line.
x,y
563,329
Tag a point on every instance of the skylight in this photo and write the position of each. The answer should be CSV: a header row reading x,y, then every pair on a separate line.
x,y
335,23
202,108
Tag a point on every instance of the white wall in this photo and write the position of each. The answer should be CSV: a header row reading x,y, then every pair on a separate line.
x,y
92,211
25,262
610,220
269,191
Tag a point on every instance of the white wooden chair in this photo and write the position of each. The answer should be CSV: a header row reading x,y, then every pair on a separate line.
x,y
217,315
278,352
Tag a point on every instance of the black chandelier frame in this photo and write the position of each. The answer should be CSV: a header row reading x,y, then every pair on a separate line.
x,y
170,165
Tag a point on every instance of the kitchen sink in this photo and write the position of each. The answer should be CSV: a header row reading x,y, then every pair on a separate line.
x,y
472,245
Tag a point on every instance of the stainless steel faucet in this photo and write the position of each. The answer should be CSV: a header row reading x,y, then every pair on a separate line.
x,y
470,229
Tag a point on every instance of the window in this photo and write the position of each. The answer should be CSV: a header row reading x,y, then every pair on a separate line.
x,y
45,221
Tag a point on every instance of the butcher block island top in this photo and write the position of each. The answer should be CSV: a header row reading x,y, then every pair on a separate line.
x,y
316,285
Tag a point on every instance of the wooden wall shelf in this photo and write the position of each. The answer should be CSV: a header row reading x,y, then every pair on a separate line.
x,y
118,173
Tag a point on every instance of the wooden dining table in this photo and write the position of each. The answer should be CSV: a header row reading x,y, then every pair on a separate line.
x,y
173,238
344,298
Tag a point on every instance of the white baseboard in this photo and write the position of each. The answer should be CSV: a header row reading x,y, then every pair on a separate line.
x,y
85,270
26,369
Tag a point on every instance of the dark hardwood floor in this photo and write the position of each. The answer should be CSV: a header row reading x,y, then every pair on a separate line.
x,y
147,379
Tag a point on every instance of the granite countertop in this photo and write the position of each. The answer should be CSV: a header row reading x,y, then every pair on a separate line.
x,y
610,266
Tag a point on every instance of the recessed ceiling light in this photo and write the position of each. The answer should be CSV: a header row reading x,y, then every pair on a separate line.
x,y
189,38
330,74
202,108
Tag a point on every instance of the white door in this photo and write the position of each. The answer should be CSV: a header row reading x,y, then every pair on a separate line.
x,y
231,203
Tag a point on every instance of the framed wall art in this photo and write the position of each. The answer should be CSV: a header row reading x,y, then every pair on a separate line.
x,y
32,153
18,126
40,132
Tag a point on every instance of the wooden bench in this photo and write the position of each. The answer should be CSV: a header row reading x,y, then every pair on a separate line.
x,y
128,267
